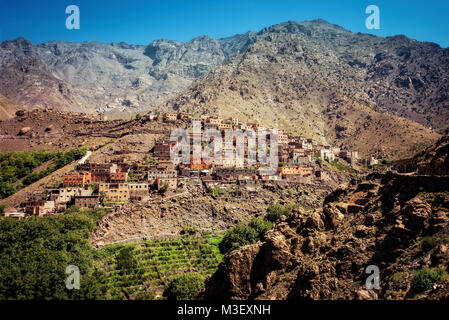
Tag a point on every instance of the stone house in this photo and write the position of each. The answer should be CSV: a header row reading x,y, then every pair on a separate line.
x,y
86,202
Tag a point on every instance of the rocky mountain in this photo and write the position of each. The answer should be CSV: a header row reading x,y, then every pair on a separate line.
x,y
397,223
319,80
26,80
311,64
377,95
108,78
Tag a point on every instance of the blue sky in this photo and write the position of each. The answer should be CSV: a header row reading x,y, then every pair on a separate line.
x,y
140,22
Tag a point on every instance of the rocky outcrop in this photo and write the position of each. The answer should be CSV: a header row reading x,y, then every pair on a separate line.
x,y
324,253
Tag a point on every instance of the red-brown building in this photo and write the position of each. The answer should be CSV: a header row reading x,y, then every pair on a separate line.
x,y
77,179
116,177
162,149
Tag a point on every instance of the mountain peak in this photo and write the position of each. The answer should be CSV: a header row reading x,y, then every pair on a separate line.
x,y
20,43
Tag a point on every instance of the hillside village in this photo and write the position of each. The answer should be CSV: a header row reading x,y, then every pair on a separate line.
x,y
112,184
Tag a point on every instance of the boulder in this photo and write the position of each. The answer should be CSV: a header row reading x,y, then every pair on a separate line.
x,y
332,216
24,131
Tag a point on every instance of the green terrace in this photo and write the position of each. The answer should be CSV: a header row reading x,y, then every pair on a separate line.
x,y
142,270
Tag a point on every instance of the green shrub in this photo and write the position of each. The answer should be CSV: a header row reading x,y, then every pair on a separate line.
x,y
260,226
428,243
242,235
236,237
276,211
424,278
184,287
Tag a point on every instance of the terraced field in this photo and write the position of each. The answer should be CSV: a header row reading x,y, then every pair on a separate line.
x,y
155,264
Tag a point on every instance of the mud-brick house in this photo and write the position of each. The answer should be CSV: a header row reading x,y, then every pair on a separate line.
x,y
100,172
170,116
269,175
234,121
184,116
85,202
171,182
198,166
289,171
118,177
40,208
114,192
224,126
139,191
282,137
65,196
215,121
209,126
160,173
325,154
14,213
77,179
349,156
163,148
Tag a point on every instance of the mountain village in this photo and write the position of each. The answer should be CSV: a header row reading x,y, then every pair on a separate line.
x,y
112,184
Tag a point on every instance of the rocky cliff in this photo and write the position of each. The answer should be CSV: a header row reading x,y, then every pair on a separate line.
x,y
324,253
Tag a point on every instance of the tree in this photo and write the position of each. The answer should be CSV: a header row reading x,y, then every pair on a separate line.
x,y
125,260
40,249
242,235
184,287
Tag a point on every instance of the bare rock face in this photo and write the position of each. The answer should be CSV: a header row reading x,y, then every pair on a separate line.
x,y
333,216
323,254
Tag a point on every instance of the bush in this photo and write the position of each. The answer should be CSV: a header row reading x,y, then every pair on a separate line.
x,y
428,243
184,287
260,226
236,237
242,235
276,211
2,208
424,278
